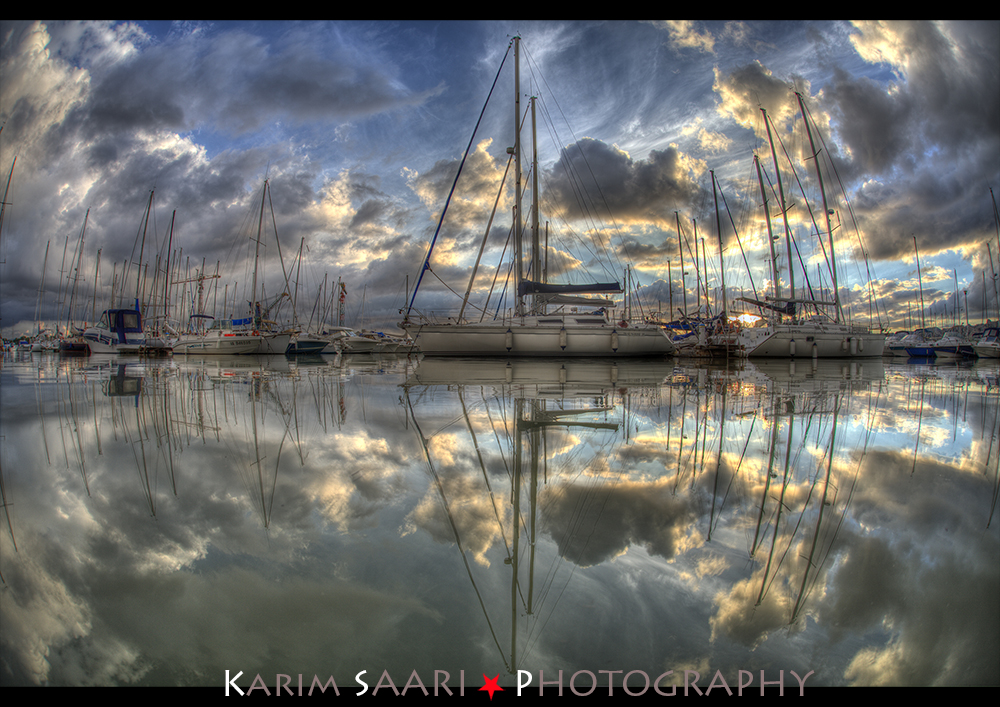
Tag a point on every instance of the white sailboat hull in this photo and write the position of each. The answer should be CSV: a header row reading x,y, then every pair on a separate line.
x,y
541,336
217,342
273,344
809,340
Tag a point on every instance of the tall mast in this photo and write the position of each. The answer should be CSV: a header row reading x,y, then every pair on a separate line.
x,y
166,279
41,290
958,319
142,245
97,271
60,295
697,271
775,285
783,206
722,265
680,248
295,298
536,254
6,191
76,275
519,270
256,252
826,213
920,283
704,263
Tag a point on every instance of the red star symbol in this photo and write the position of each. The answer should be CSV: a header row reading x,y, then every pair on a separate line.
x,y
490,685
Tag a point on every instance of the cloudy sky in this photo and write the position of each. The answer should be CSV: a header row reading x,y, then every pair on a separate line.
x,y
359,128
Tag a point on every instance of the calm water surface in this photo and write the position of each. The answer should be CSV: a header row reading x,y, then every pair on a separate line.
x,y
167,521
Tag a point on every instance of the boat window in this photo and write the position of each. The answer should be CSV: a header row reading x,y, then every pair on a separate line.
x,y
130,320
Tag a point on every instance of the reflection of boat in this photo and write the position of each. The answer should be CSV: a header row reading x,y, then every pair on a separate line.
x,y
534,330
73,346
540,407
784,536
579,375
821,372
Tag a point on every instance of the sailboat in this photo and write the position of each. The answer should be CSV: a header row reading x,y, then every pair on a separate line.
x,y
253,334
784,335
532,329
219,338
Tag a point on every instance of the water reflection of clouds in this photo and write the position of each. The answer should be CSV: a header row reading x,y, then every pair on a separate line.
x,y
593,523
160,537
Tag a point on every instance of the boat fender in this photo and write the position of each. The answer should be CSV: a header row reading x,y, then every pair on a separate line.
x,y
791,347
614,340
861,344
562,338
509,339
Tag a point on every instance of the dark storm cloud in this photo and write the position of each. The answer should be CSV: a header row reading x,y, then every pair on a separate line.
x,y
934,132
914,146
873,123
370,211
240,81
590,171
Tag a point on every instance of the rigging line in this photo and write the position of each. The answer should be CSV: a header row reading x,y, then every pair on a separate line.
x,y
430,249
593,223
791,237
451,290
496,274
738,242
576,141
482,247
584,201
805,505
451,521
850,210
482,466
812,216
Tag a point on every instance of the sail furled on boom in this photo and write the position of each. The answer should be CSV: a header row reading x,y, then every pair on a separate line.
x,y
551,293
